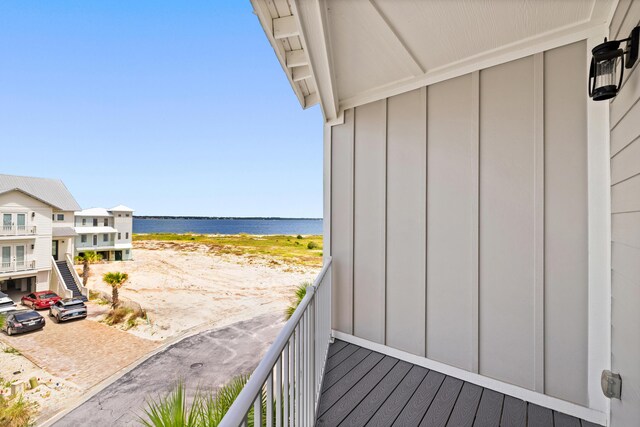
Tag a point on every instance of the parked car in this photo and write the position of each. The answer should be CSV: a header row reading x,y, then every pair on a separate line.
x,y
6,303
19,321
67,309
40,300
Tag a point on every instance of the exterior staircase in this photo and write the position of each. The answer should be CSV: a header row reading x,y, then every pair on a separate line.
x,y
69,280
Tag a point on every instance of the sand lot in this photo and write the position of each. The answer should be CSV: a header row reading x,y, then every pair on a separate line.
x,y
184,286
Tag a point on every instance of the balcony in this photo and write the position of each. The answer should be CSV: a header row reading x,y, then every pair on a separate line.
x,y
101,244
17,230
17,266
306,378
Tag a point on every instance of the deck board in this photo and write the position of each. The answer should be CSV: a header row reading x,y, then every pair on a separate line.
x,y
343,407
539,416
464,412
366,409
340,388
419,403
366,388
344,367
514,412
438,413
392,407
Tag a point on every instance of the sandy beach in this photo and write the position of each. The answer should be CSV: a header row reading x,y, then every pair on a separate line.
x,y
186,285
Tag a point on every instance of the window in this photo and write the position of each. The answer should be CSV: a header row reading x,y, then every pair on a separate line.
x,y
95,240
106,222
126,235
95,222
127,215
119,236
126,251
84,221
105,237
119,215
83,238
53,217
60,217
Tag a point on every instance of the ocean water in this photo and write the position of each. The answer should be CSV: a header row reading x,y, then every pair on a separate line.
x,y
228,226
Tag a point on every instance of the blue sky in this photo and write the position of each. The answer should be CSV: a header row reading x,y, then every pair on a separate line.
x,y
170,107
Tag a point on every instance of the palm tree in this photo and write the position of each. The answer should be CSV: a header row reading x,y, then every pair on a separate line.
x,y
89,257
301,291
116,280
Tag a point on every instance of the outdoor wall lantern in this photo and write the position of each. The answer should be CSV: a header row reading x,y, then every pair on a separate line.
x,y
608,62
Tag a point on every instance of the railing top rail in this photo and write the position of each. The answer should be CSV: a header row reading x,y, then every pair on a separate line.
x,y
243,403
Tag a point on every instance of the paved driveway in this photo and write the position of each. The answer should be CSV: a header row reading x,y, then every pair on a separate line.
x,y
206,360
84,352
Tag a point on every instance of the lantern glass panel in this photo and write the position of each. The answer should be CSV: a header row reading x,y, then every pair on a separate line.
x,y
607,72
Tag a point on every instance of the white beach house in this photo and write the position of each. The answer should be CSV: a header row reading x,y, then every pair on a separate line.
x,y
106,231
38,236
481,215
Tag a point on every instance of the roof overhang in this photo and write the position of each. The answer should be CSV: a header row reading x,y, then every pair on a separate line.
x,y
359,51
8,190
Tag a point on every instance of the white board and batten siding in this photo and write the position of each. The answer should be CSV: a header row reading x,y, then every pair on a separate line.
x,y
625,229
459,222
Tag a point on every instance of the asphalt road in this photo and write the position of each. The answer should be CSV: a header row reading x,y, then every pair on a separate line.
x,y
206,361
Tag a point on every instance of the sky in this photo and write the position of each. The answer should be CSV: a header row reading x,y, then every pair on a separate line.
x,y
169,107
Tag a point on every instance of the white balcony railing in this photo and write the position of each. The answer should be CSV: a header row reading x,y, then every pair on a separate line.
x,y
100,244
17,230
14,266
289,377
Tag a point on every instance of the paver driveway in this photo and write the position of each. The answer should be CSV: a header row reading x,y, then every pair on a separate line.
x,y
84,352
206,360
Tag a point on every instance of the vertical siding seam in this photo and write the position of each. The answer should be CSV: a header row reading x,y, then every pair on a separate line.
x,y
475,226
426,213
386,211
539,224
353,225
384,245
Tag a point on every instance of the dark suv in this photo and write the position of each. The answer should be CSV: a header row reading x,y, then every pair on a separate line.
x,y
67,309
17,322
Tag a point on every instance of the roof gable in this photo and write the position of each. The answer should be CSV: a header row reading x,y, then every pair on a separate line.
x,y
50,191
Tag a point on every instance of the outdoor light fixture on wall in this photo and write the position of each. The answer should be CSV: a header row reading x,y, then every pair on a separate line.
x,y
608,64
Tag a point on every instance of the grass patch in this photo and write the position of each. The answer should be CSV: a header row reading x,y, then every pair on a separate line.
x,y
11,350
301,250
132,320
117,315
16,412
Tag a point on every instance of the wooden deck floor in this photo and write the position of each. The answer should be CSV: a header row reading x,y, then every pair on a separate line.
x,y
365,388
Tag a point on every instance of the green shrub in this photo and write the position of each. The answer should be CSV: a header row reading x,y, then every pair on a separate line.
x,y
300,293
16,412
312,245
298,237
117,315
204,411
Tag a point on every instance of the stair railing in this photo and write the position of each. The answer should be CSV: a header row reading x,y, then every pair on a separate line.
x,y
62,287
83,289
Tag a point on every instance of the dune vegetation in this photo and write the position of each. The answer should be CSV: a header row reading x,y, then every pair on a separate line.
x,y
302,250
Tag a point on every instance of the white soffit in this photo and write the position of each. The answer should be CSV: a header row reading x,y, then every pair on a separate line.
x,y
282,28
359,51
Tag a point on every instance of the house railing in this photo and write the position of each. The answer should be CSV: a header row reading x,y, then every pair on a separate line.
x,y
61,287
100,243
14,266
17,230
284,389
83,289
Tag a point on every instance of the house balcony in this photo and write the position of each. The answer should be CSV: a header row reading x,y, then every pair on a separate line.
x,y
17,266
17,231
311,376
99,246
